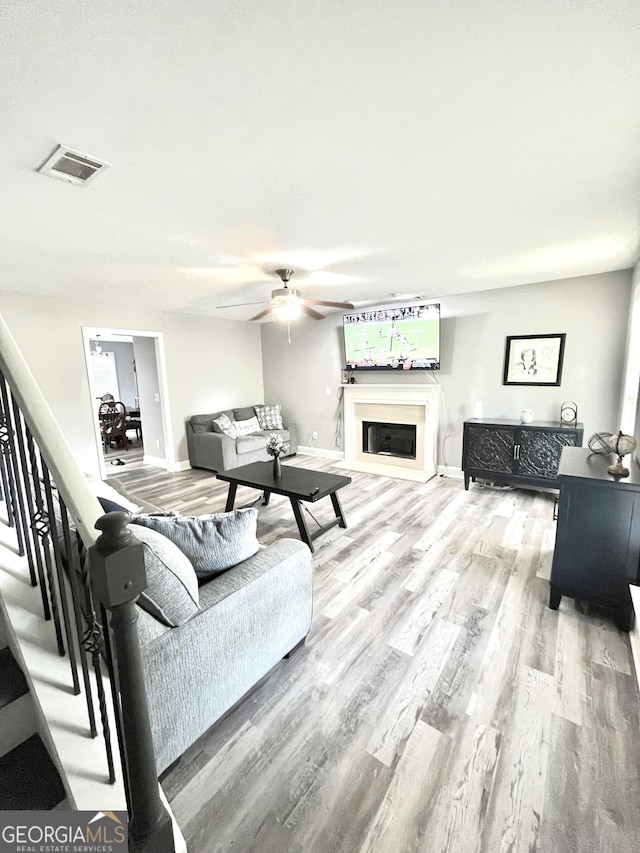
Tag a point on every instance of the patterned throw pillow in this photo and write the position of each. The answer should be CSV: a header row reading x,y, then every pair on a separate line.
x,y
212,543
248,426
227,426
269,417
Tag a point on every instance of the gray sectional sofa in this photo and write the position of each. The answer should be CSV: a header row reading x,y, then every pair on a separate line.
x,y
211,449
245,621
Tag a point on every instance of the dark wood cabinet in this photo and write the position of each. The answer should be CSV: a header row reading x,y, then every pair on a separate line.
x,y
597,551
506,451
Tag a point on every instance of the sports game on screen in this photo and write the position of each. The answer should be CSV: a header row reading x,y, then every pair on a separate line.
x,y
393,338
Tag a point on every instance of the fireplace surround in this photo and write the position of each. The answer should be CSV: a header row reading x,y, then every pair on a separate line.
x,y
414,405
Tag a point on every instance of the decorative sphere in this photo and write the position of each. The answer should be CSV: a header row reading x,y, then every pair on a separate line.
x,y
599,443
526,416
622,444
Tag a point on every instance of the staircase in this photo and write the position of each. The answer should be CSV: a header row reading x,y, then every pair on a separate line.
x,y
28,776
74,724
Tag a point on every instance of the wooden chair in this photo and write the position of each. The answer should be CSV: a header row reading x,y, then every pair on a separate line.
x,y
113,426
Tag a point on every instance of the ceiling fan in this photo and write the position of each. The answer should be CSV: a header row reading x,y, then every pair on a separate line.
x,y
288,304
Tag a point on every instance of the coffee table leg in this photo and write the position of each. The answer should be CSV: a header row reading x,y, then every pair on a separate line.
x,y
338,509
231,496
302,524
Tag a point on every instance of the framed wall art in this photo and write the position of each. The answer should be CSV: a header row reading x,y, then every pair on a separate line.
x,y
533,359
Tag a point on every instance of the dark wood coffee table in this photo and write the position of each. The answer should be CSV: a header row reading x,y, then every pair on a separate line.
x,y
297,484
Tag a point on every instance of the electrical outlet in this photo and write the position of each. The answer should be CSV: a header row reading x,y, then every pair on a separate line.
x,y
314,435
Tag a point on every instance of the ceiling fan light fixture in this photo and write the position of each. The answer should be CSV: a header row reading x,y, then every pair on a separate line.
x,y
287,311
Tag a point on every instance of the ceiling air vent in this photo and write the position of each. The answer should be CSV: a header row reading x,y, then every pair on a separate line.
x,y
72,166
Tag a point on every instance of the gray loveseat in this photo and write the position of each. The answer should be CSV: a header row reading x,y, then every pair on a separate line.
x,y
212,449
247,619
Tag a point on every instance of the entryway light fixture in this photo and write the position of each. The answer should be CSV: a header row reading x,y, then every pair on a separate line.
x,y
97,350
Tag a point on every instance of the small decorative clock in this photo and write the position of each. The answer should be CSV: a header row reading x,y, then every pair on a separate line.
x,y
569,413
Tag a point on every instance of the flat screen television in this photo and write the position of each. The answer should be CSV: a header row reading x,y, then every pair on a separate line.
x,y
393,338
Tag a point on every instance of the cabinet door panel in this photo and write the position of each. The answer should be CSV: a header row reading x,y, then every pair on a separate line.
x,y
597,546
540,452
490,449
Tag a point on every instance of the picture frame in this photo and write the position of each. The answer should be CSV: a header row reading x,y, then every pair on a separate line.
x,y
534,359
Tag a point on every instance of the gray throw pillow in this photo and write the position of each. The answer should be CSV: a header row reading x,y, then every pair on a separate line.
x,y
244,413
212,543
172,594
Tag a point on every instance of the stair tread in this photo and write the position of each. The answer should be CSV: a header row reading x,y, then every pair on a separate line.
x,y
28,778
12,681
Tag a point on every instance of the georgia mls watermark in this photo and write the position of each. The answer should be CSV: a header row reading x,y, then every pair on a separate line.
x,y
63,832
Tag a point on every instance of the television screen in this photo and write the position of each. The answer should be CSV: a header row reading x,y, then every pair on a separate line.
x,y
393,338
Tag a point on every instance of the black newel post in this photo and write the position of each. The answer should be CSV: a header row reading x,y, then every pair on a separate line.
x,y
116,568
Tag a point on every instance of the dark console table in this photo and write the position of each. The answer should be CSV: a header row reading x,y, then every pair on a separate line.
x,y
506,451
597,553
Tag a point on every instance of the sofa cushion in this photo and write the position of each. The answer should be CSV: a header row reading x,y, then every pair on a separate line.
x,y
172,594
225,425
269,417
244,413
248,426
199,428
250,443
212,543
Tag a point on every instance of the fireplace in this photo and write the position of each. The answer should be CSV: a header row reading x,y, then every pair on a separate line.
x,y
383,439
389,451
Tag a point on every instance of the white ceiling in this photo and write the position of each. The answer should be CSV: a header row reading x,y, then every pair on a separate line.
x,y
424,146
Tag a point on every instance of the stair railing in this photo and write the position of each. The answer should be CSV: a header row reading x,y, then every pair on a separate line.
x,y
55,515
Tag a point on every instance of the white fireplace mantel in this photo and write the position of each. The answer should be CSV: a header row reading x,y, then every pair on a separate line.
x,y
419,402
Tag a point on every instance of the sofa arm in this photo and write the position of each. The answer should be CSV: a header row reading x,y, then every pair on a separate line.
x,y
213,450
293,437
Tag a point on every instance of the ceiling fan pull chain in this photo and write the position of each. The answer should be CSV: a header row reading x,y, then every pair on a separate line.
x,y
288,331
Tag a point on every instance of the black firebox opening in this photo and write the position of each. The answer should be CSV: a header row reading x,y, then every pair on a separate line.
x,y
384,439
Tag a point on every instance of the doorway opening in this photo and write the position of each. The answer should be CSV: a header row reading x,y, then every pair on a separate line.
x,y
128,388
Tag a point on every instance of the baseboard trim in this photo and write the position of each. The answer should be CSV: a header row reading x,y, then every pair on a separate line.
x,y
157,461
177,467
450,471
320,452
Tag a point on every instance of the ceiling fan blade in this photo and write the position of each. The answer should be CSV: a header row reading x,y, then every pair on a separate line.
x,y
329,304
262,313
311,313
241,304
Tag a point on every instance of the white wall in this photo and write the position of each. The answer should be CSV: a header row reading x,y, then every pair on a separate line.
x,y
630,398
150,397
592,310
211,364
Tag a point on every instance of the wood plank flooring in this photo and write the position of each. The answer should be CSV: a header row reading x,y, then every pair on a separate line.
x,y
438,705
